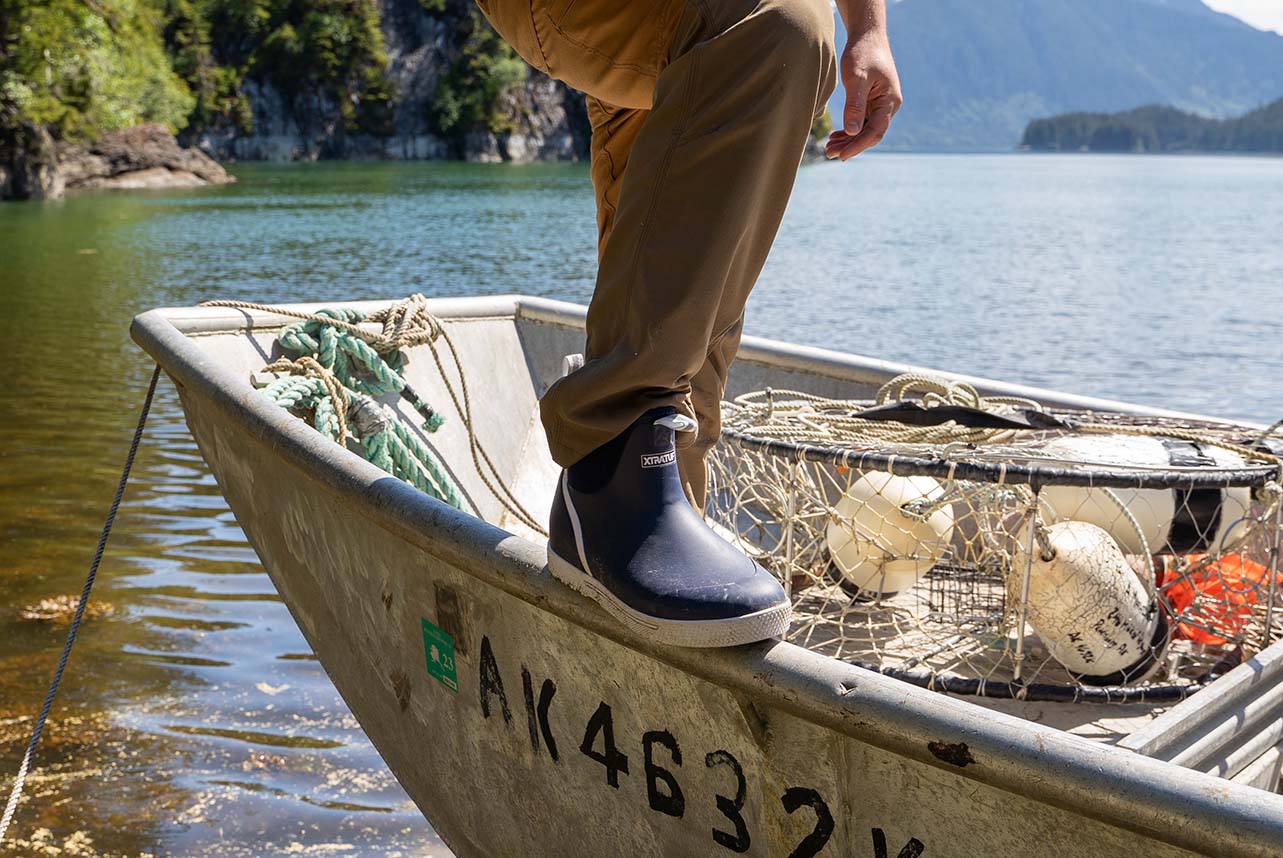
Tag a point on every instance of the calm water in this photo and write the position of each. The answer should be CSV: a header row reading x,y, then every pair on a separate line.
x,y
195,720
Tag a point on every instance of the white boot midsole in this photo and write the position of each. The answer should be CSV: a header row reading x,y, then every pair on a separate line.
x,y
771,622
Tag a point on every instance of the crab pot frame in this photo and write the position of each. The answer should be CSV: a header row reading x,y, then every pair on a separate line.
x,y
978,568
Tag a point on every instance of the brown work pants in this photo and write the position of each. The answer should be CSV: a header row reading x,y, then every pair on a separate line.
x,y
700,113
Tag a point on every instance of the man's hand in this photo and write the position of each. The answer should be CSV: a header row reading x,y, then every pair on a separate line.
x,y
869,77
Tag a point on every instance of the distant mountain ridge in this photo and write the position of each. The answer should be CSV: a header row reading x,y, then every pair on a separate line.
x,y
976,73
1158,129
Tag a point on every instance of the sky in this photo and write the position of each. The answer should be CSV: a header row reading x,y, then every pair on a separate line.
x,y
1262,14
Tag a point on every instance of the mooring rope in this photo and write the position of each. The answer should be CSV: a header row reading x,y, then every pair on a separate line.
x,y
406,323
15,794
339,413
369,362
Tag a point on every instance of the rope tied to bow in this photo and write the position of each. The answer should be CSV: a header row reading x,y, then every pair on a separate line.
x,y
342,364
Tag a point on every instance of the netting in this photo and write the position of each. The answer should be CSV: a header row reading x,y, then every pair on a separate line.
x,y
991,546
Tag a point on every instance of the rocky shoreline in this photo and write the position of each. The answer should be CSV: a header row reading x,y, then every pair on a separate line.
x,y
34,166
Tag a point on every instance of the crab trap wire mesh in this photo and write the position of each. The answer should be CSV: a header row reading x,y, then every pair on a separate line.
x,y
991,546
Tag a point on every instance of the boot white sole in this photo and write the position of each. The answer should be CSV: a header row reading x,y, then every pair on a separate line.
x,y
769,623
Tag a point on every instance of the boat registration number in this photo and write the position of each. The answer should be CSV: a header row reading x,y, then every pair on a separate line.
x,y
662,762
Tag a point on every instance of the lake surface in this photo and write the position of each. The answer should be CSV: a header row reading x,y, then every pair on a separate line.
x,y
194,719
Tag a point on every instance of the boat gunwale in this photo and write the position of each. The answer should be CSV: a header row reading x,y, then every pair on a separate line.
x,y
1158,800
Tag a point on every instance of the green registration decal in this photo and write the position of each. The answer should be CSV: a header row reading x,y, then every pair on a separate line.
x,y
438,648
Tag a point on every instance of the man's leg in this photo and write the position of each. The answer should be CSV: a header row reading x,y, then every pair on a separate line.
x,y
692,179
614,131
706,184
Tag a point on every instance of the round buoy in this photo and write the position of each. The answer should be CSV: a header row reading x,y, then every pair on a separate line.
x,y
878,541
1088,606
1172,521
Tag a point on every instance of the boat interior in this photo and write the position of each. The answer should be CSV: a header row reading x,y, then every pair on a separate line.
x,y
511,349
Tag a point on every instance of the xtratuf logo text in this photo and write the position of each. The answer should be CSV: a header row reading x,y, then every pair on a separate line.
x,y
658,460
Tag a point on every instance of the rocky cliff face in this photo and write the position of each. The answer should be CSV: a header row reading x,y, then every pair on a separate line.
x,y
548,120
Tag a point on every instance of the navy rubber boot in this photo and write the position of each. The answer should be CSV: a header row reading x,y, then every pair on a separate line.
x,y
624,533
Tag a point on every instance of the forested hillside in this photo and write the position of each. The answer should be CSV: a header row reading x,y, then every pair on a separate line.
x,y
280,78
75,68
326,50
1158,129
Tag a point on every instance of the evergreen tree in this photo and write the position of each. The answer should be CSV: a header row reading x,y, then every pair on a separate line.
x,y
77,68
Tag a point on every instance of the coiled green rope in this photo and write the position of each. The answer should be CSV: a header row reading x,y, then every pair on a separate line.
x,y
331,378
353,361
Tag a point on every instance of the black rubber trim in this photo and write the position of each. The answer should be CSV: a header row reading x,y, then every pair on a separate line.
x,y
1030,474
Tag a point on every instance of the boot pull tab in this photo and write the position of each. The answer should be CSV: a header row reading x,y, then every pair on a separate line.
x,y
571,363
677,422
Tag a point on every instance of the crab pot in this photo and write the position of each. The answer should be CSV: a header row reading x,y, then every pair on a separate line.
x,y
1046,562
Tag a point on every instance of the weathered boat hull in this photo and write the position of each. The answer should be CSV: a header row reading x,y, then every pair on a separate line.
x,y
558,732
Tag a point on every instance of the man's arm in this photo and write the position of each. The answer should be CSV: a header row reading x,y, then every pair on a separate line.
x,y
869,77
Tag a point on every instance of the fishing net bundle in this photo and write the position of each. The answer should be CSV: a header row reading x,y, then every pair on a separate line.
x,y
991,546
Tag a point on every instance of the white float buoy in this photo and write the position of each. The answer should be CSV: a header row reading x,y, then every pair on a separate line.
x,y
1088,605
877,540
1172,521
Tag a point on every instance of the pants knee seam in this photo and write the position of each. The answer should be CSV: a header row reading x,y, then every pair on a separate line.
x,y
723,334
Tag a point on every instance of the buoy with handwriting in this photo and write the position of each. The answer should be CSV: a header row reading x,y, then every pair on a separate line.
x,y
1088,606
